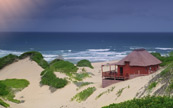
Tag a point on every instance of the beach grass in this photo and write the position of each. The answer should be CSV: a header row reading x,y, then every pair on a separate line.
x,y
63,66
49,78
4,104
80,76
145,102
6,60
152,85
120,91
85,63
105,92
37,57
83,95
166,60
81,84
9,87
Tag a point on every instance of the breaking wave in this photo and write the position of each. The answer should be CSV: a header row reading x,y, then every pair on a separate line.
x,y
159,48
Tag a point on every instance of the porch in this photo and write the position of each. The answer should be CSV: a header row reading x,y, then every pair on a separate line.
x,y
112,73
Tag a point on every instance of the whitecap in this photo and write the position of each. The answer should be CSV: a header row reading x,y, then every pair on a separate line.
x,y
160,48
98,50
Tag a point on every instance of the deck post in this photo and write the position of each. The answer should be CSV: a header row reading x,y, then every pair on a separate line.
x,y
115,72
110,67
102,70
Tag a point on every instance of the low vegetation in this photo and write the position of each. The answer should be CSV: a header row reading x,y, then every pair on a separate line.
x,y
83,95
80,76
2,103
63,66
49,78
165,78
9,87
120,91
35,56
84,63
146,102
105,92
81,84
165,59
152,85
4,61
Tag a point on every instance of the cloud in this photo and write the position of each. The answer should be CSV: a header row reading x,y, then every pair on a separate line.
x,y
83,15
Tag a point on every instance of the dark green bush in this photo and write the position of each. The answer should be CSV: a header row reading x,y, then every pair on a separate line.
x,y
146,102
63,66
4,61
4,104
84,63
50,79
37,57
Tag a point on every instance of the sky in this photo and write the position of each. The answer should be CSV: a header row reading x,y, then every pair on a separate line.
x,y
86,15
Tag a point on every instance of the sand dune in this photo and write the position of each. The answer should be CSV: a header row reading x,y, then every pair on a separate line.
x,y
36,96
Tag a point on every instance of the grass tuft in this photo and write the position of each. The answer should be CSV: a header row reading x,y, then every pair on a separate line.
x,y
108,91
4,104
152,85
83,95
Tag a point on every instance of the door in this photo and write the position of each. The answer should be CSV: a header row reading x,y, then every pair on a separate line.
x,y
121,71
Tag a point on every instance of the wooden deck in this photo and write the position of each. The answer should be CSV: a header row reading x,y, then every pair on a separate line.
x,y
114,75
108,82
111,77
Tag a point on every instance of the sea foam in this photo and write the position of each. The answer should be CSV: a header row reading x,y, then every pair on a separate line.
x,y
160,48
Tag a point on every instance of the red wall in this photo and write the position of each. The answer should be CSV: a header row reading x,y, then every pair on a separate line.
x,y
127,69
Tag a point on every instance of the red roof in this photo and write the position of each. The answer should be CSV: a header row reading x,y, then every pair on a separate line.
x,y
140,57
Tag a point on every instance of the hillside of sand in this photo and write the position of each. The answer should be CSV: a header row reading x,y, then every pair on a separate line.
x,y
37,96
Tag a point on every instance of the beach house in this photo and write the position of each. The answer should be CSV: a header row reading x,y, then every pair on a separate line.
x,y
138,62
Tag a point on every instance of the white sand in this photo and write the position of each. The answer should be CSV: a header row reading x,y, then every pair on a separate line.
x,y
41,97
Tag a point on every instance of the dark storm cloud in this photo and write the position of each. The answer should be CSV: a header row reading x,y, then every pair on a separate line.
x,y
95,15
59,9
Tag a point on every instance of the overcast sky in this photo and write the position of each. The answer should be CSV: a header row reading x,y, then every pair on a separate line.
x,y
87,15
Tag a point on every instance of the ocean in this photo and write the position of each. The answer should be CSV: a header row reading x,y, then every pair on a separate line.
x,y
96,47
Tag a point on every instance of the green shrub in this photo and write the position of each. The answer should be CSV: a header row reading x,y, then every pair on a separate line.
x,y
84,63
35,56
11,86
4,104
83,95
50,79
63,66
4,61
146,102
